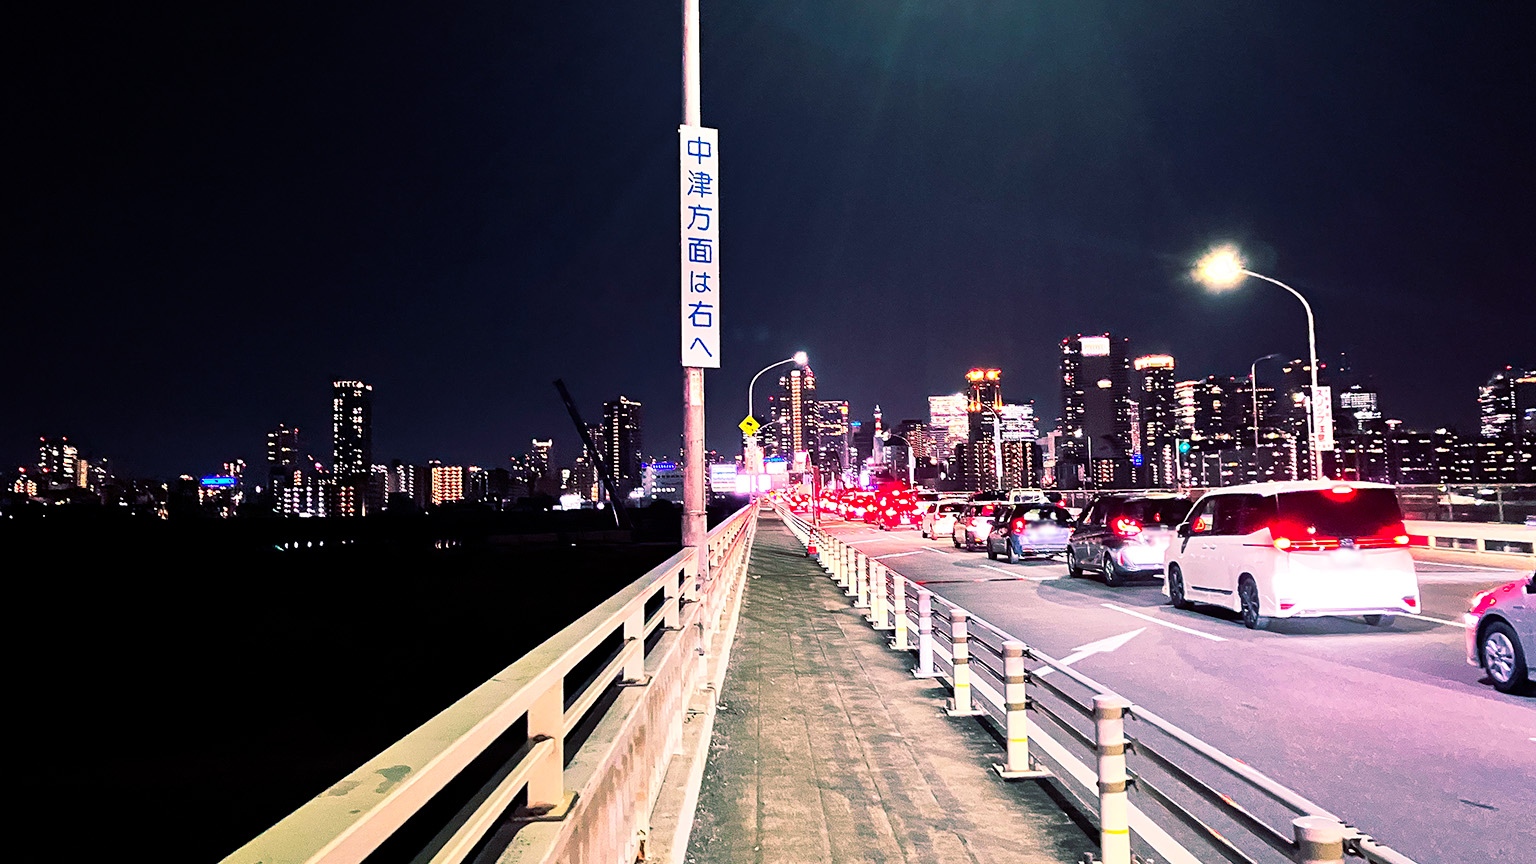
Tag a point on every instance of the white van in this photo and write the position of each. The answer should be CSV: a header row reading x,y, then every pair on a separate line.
x,y
1300,549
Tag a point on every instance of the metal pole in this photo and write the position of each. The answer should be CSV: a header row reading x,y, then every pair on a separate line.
x,y
899,587
924,635
1314,452
695,514
1319,840
1114,812
960,656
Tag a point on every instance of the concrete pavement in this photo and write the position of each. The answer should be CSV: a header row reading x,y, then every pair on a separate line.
x,y
826,749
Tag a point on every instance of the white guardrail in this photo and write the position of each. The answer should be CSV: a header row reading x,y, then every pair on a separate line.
x,y
563,755
1177,792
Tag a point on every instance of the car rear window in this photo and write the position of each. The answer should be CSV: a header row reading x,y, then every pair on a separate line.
x,y
1046,514
1361,513
983,509
951,508
1156,511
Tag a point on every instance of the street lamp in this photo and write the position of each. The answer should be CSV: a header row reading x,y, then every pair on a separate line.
x,y
1221,269
800,359
911,459
1253,389
1088,439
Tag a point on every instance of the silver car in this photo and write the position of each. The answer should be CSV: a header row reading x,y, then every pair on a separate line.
x,y
1501,633
1029,530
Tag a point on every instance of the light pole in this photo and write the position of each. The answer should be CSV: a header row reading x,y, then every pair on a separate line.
x,y
1253,389
800,359
911,460
1222,268
1088,475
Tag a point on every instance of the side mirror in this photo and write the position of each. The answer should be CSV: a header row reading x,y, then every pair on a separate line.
x,y
1184,529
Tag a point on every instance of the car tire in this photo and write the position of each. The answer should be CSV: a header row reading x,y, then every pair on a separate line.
x,y
1073,570
1013,557
1176,597
955,540
990,554
924,532
1499,651
1113,577
1380,620
1248,604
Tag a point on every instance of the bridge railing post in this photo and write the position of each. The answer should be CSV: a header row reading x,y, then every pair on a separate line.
x,y
546,724
840,565
960,648
899,614
1114,812
1319,840
1019,765
924,635
634,647
879,596
864,573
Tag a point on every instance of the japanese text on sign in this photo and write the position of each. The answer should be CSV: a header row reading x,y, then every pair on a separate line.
x,y
699,161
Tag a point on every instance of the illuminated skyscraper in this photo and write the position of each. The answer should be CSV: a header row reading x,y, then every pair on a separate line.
x,y
622,443
1159,420
948,419
1505,401
351,429
58,460
832,437
282,455
1095,411
793,425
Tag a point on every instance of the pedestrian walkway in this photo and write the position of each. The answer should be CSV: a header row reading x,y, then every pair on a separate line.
x,y
826,749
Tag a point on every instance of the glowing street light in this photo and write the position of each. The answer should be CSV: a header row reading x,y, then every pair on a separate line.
x,y
1223,268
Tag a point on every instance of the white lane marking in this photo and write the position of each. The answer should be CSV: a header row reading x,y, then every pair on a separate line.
x,y
1437,620
1167,624
1103,646
1455,567
934,549
999,570
898,554
1021,575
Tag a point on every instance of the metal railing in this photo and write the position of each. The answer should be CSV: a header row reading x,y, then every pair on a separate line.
x,y
1174,790
562,755
1496,503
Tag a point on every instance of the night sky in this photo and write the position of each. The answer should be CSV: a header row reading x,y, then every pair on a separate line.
x,y
211,212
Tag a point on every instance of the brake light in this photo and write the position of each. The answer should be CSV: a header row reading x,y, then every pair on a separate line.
x,y
1411,602
1018,526
1341,491
1126,527
1283,544
1286,607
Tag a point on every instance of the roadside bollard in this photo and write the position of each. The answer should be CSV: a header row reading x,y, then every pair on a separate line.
x,y
865,575
879,600
899,615
1319,840
1114,812
1016,724
960,703
924,635
855,573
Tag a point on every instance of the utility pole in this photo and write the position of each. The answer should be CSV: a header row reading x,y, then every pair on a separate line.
x,y
695,514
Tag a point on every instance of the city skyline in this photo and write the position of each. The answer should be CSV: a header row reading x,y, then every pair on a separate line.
x,y
215,214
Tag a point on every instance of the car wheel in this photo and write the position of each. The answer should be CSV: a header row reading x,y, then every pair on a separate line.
x,y
1248,596
956,540
1176,597
1013,557
1072,569
1112,574
1502,657
924,532
1380,620
990,554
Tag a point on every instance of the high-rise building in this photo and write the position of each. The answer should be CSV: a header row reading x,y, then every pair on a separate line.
x,y
351,429
1504,402
622,443
1158,409
1096,410
793,427
58,460
1358,410
282,455
449,482
949,420
832,437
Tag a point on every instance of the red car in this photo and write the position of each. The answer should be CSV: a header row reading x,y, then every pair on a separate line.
x,y
897,510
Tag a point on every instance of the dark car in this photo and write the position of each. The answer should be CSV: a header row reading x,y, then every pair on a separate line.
x,y
1123,536
1029,530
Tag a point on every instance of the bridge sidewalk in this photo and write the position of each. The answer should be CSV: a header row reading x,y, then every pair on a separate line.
x,y
826,749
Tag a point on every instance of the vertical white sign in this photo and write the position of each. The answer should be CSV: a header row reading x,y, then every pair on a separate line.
x,y
699,161
1322,415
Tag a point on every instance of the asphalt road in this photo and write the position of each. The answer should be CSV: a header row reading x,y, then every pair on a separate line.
x,y
1387,727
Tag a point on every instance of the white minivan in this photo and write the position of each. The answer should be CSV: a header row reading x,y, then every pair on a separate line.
x,y
1298,549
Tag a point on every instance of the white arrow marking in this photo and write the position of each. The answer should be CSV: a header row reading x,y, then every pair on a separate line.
x,y
1181,629
1103,646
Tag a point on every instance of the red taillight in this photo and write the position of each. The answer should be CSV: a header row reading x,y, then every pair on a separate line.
x,y
1126,527
1283,544
1286,607
1411,602
1342,491
1018,526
